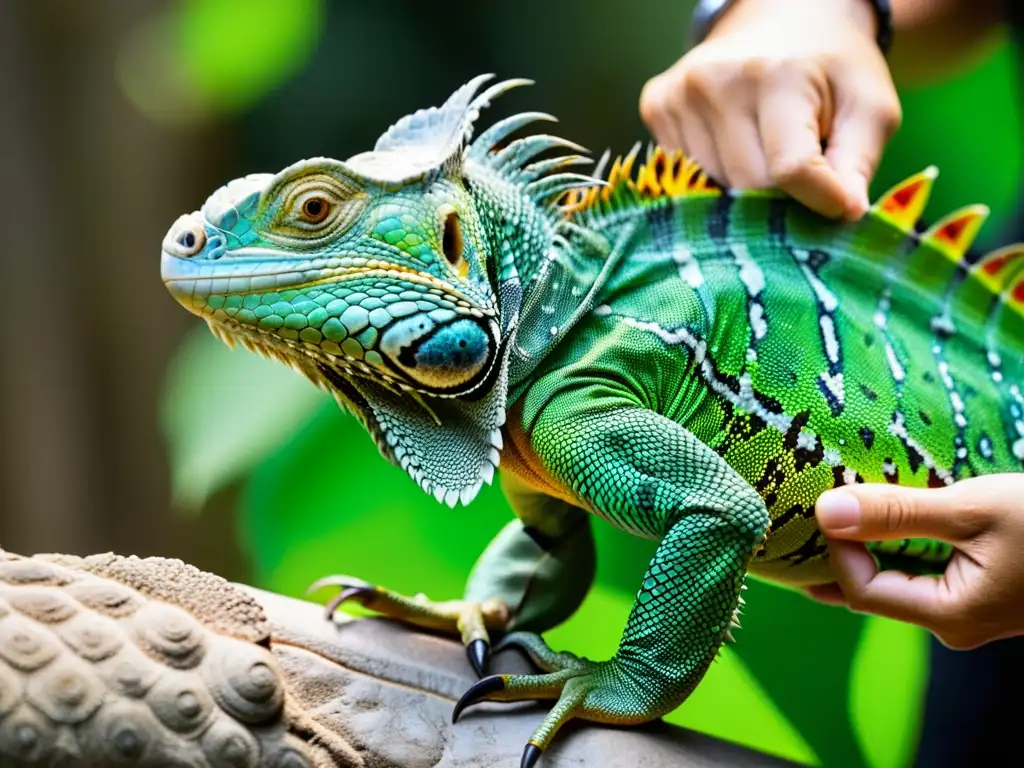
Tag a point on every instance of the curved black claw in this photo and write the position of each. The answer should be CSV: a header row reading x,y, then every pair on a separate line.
x,y
346,594
479,653
349,590
531,755
477,692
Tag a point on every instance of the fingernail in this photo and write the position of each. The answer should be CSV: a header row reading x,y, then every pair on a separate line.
x,y
837,510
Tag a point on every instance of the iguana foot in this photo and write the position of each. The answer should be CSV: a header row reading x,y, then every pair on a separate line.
x,y
470,620
599,691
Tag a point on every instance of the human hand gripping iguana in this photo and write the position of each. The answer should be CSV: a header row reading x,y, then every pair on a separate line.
x,y
691,364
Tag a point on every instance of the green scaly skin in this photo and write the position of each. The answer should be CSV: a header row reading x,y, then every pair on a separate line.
x,y
691,364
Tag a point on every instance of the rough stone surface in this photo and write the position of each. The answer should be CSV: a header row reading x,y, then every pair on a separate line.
x,y
121,661
390,691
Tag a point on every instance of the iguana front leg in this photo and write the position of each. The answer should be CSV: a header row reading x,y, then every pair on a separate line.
x,y
532,576
650,476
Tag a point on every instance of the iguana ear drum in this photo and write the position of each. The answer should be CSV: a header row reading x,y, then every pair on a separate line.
x,y
445,357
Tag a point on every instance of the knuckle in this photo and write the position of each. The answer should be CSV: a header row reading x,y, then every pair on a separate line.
x,y
801,74
786,170
971,518
653,99
894,512
856,598
742,176
890,117
700,84
756,70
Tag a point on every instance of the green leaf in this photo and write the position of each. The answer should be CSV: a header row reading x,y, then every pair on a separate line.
x,y
199,59
223,411
235,51
887,686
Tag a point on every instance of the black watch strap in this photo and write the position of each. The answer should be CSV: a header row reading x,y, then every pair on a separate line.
x,y
708,12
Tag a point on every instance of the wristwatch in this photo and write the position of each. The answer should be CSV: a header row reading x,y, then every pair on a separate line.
x,y
708,12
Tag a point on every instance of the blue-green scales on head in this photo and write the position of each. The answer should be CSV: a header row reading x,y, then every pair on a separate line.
x,y
387,279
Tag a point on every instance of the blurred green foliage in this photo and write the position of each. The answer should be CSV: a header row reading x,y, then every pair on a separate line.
x,y
811,683
203,59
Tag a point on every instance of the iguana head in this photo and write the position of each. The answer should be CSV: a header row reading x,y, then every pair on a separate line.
x,y
389,279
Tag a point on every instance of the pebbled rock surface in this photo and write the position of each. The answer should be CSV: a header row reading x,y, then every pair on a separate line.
x,y
121,661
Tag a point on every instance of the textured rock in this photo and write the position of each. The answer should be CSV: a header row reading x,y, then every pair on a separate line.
x,y
121,661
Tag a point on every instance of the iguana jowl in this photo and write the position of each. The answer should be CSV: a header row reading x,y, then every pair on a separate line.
x,y
692,364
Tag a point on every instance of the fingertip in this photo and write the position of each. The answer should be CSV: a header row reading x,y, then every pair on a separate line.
x,y
838,512
857,201
813,183
853,564
829,594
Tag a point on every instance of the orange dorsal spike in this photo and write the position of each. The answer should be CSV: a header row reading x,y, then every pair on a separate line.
x,y
903,205
954,234
1013,297
613,180
628,161
997,268
647,183
660,174
1017,294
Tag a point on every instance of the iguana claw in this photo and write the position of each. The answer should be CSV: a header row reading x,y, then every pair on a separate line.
x,y
479,653
349,590
477,692
531,755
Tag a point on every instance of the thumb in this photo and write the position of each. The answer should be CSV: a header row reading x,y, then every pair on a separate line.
x,y
885,512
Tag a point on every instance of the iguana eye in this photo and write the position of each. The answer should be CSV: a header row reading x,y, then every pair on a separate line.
x,y
315,209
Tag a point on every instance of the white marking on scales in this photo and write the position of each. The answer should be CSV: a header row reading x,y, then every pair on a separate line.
x,y
753,280
745,399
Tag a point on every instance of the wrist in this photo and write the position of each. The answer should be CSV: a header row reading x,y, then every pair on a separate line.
x,y
873,17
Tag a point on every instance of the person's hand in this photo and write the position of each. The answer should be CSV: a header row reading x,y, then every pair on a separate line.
x,y
979,598
772,80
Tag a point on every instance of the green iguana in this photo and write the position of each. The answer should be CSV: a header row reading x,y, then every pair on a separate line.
x,y
690,363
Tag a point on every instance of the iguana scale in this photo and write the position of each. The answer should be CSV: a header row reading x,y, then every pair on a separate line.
x,y
693,364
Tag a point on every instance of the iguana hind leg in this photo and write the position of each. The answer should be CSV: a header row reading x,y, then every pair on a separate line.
x,y
649,475
533,575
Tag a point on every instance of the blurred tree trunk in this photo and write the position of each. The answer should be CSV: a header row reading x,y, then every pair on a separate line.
x,y
88,189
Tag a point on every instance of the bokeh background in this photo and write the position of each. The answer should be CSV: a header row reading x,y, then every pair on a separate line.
x,y
125,427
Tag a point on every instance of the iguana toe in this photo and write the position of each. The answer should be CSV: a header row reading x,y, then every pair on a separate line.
x,y
602,692
540,653
468,619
